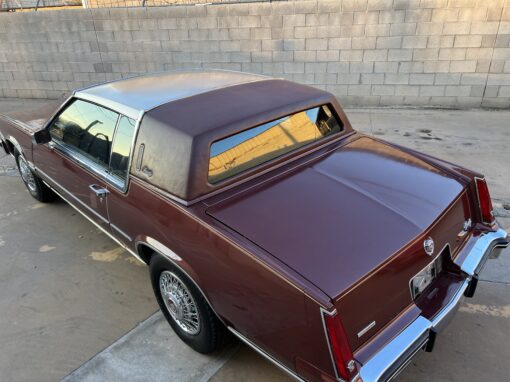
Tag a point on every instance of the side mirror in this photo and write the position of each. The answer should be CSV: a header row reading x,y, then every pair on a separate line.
x,y
42,136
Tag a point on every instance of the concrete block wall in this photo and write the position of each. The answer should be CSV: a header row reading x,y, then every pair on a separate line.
x,y
447,53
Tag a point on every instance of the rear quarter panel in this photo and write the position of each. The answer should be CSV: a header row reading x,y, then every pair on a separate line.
x,y
249,293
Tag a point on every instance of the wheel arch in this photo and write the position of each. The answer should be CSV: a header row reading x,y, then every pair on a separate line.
x,y
147,247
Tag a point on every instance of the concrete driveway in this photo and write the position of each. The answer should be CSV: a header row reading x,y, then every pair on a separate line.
x,y
67,291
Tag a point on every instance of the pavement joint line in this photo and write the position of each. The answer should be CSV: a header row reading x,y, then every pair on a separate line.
x,y
153,316
84,371
494,281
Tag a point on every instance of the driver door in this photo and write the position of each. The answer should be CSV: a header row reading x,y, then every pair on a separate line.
x,y
76,161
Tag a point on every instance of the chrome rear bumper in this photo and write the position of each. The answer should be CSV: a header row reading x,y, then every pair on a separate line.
x,y
394,356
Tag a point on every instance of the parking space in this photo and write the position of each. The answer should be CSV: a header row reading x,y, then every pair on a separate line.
x,y
67,291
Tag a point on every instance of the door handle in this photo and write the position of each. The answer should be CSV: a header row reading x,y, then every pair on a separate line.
x,y
99,191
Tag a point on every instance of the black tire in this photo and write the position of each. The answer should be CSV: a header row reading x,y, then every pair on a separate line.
x,y
35,185
212,333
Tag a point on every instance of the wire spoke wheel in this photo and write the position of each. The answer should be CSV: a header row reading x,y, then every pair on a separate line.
x,y
26,175
179,302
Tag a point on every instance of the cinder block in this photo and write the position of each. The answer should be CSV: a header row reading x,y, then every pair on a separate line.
x,y
260,33
261,56
354,5
403,29
468,41
418,15
338,67
314,67
271,21
363,42
375,55
383,90
396,78
291,21
372,78
436,66
447,79
463,66
452,54
294,44
272,44
426,54
328,55
361,67
287,56
501,54
316,44
407,90
428,91
429,29
388,42
351,55
379,5
305,32
474,79
386,67
456,28
410,67
328,31
400,55
324,78
445,14
359,90
414,42
440,41
340,43
305,56
293,67
478,53
366,17
377,30
249,21
421,79
348,79
329,6
391,17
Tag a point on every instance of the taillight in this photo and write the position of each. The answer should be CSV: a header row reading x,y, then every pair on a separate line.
x,y
341,353
484,200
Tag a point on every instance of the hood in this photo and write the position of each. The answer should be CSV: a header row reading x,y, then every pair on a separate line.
x,y
34,119
338,218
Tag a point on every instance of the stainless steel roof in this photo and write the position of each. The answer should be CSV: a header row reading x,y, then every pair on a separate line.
x,y
136,95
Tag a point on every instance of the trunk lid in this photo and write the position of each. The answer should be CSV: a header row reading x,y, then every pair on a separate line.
x,y
343,218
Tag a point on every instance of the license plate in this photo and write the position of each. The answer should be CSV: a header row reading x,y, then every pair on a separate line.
x,y
422,280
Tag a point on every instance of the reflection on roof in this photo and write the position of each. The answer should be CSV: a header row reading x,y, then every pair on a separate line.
x,y
147,92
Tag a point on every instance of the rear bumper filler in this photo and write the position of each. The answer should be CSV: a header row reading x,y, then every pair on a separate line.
x,y
394,356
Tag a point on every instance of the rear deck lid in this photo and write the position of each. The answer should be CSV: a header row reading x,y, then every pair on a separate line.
x,y
338,218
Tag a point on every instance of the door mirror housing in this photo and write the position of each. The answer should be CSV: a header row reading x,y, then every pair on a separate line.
x,y
42,136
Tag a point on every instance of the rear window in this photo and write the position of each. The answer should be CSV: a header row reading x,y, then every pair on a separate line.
x,y
250,148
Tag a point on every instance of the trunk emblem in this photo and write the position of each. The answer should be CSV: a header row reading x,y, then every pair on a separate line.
x,y
428,246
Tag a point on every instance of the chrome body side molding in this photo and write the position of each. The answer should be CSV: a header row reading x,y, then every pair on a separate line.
x,y
266,355
90,220
386,364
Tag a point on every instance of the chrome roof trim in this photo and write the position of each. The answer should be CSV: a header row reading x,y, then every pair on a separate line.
x,y
113,105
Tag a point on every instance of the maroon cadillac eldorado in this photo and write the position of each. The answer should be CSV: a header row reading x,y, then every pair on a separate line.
x,y
261,212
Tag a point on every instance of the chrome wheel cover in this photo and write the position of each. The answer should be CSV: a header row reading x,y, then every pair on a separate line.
x,y
27,175
179,302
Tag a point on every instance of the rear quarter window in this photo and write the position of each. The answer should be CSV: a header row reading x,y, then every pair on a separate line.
x,y
245,150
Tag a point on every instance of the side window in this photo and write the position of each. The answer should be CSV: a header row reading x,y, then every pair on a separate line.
x,y
87,128
121,148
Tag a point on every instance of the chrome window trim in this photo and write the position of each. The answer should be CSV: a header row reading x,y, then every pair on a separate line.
x,y
102,172
266,355
112,105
